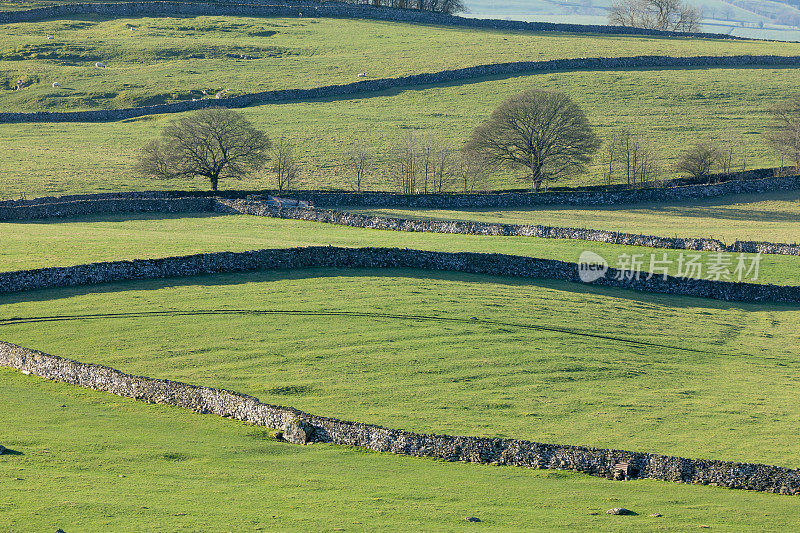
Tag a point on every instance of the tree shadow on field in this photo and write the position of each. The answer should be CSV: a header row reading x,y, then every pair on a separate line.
x,y
226,279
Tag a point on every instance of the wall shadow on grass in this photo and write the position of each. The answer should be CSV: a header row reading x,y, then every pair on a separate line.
x,y
225,279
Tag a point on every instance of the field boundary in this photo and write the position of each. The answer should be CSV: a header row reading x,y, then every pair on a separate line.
x,y
356,220
299,427
326,9
402,82
28,210
369,257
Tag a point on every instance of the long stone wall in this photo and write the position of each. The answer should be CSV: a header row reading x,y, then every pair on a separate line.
x,y
298,8
339,257
356,220
598,196
17,211
301,428
377,85
113,203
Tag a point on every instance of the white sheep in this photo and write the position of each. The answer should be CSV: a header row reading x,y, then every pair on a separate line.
x,y
56,85
50,37
99,65
362,74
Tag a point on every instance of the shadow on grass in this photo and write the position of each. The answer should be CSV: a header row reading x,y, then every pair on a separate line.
x,y
9,451
396,91
210,280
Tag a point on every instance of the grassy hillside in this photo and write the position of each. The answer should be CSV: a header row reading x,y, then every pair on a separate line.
x,y
771,216
173,59
675,107
670,375
64,243
95,462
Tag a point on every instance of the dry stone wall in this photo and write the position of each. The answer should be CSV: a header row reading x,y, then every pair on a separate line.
x,y
598,196
298,8
356,220
304,427
367,86
25,210
156,202
340,257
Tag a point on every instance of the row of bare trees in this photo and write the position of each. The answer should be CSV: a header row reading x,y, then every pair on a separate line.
x,y
418,163
543,133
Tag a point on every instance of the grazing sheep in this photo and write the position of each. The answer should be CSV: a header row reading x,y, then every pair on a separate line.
x,y
50,37
56,85
99,65
220,94
362,74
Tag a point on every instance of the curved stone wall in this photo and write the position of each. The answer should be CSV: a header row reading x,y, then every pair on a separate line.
x,y
113,203
356,220
339,257
369,86
497,451
292,8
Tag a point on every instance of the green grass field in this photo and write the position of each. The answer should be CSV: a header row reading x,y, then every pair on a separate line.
x,y
771,217
154,64
292,53
425,351
95,462
676,106
679,376
108,238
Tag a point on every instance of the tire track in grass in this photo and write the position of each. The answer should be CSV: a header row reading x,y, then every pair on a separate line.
x,y
351,314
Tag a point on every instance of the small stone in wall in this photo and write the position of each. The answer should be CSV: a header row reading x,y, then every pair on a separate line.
x,y
620,511
297,431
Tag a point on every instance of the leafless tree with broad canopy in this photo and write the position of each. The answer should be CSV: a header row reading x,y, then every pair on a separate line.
x,y
786,135
214,143
664,15
541,131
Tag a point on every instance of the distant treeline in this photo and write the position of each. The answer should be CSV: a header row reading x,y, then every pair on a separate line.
x,y
449,7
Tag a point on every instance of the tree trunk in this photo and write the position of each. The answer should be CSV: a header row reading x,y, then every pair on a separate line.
x,y
214,181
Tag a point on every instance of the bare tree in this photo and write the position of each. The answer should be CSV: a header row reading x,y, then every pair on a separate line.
x,y
470,170
700,160
728,148
544,132
786,134
404,164
637,157
444,167
212,143
359,161
284,164
664,15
